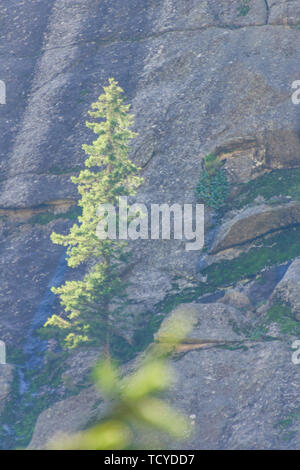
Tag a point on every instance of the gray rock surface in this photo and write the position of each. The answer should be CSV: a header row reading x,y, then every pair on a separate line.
x,y
237,398
285,12
6,378
65,417
208,321
239,393
240,399
288,289
254,222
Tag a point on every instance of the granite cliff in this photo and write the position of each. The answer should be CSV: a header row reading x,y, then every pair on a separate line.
x,y
211,76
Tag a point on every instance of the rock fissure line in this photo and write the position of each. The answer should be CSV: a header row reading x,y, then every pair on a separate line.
x,y
108,42
268,12
205,344
112,41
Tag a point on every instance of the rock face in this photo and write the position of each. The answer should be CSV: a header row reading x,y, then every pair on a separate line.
x,y
6,378
64,417
239,390
239,398
288,289
210,76
285,12
254,222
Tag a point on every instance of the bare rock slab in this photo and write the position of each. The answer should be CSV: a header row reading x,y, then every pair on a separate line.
x,y
254,222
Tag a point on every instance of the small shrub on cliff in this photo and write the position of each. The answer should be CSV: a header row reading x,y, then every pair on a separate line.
x,y
212,188
244,7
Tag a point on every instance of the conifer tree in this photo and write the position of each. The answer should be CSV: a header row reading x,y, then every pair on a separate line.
x,y
109,173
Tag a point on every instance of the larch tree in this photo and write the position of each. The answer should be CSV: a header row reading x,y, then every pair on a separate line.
x,y
109,174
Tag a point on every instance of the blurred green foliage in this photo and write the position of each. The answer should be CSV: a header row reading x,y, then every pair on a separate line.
x,y
138,417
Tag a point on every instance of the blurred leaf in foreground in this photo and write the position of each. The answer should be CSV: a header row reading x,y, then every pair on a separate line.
x,y
139,416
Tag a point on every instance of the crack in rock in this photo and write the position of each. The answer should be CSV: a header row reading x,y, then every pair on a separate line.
x,y
268,11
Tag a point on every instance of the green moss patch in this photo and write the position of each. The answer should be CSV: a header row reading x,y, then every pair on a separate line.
x,y
274,249
244,8
281,314
45,218
276,183
289,420
57,170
